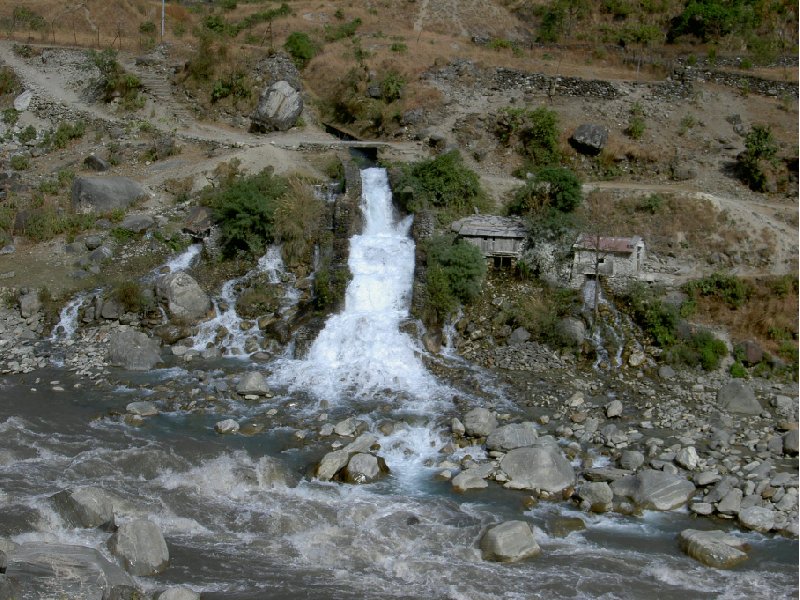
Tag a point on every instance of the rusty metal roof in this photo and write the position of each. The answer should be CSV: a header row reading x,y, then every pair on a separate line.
x,y
490,226
618,245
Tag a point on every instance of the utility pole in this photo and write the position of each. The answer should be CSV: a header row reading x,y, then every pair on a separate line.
x,y
163,10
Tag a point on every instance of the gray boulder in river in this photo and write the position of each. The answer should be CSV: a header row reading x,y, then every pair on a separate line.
x,y
105,194
515,435
133,350
654,490
509,542
44,570
185,298
85,507
480,422
539,467
713,548
141,547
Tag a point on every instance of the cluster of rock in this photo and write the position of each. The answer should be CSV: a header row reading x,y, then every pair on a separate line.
x,y
19,330
757,492
41,569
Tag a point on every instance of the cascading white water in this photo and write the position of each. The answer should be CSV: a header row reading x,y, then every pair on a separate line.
x,y
68,319
362,350
184,260
228,319
611,331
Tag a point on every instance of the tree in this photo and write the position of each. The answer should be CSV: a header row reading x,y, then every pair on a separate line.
x,y
760,150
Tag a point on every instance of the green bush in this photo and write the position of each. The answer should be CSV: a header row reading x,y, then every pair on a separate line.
x,y
10,117
9,83
442,182
147,28
728,289
28,18
551,187
399,47
392,86
329,286
235,84
20,162
701,349
64,134
658,320
46,222
26,135
535,131
737,370
456,270
760,148
113,78
344,30
244,207
203,62
301,48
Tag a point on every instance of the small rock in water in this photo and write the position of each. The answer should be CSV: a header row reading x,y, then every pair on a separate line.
x,y
457,427
142,409
226,426
757,518
178,593
480,422
613,409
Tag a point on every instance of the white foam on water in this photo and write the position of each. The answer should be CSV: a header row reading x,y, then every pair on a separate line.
x,y
184,260
68,319
228,319
361,351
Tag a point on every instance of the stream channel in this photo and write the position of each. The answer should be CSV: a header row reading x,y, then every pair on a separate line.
x,y
243,518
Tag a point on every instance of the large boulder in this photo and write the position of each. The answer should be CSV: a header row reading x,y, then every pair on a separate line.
x,y
44,570
572,331
654,490
480,422
178,593
713,548
279,107
252,382
137,223
539,467
595,496
334,462
757,518
365,468
515,435
185,298
509,542
473,478
85,507
105,194
141,547
29,304
738,397
589,139
133,350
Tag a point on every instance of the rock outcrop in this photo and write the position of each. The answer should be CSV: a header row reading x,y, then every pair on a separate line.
x,y
105,194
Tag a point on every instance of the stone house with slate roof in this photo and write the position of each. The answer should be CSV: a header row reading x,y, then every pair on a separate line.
x,y
615,259
500,239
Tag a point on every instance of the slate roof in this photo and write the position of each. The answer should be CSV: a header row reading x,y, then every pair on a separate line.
x,y
490,226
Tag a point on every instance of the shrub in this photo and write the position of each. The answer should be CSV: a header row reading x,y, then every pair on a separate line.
x,y
701,349
443,182
738,371
9,83
329,286
113,78
636,123
760,147
728,289
712,19
399,47
235,84
28,18
203,61
344,30
456,270
65,133
392,86
10,117
20,162
541,312
551,187
147,28
536,132
297,223
244,207
658,320
301,48
28,134
46,222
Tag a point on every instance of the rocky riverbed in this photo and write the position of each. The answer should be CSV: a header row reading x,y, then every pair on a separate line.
x,y
622,442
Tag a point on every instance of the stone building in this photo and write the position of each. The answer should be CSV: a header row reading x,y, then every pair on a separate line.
x,y
615,259
499,238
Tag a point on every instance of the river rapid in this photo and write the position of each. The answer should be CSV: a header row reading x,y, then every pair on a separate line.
x,y
244,518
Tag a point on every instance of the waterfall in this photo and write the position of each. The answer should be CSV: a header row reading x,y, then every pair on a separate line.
x,y
361,351
184,260
608,333
68,319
